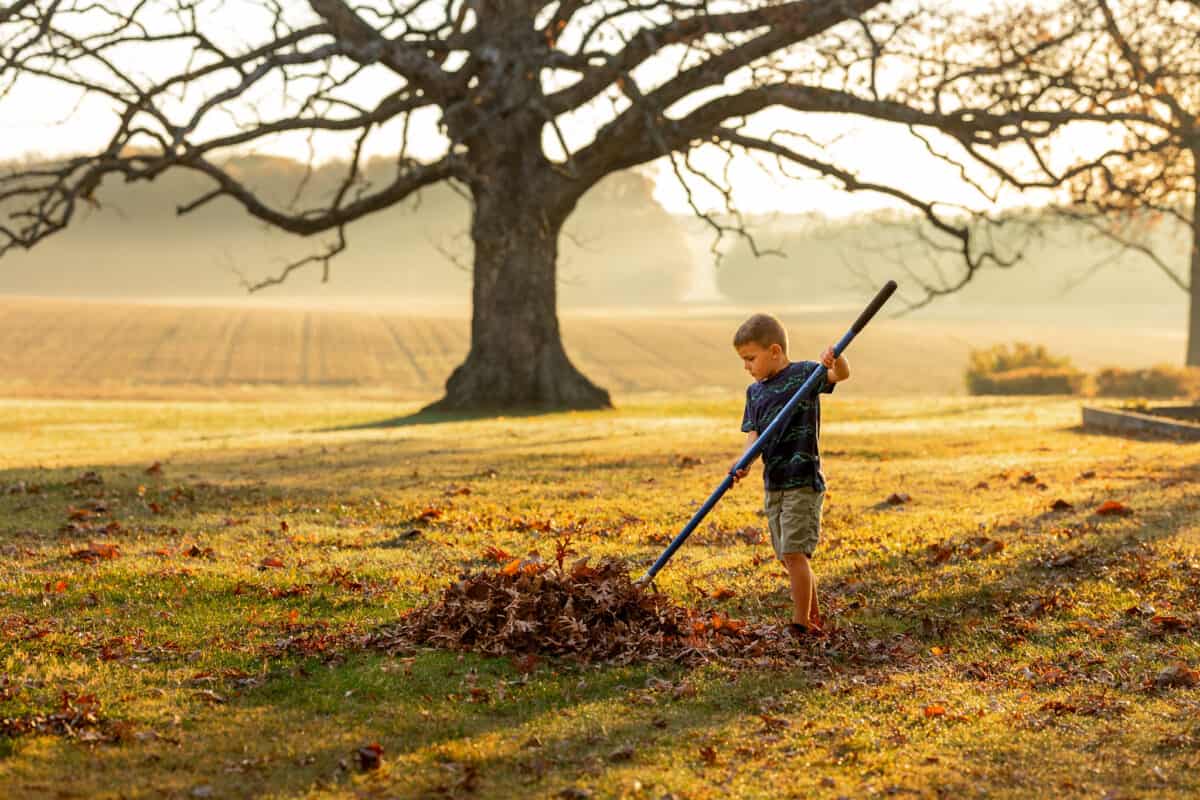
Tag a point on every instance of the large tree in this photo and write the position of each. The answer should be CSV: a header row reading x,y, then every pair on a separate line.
x,y
525,104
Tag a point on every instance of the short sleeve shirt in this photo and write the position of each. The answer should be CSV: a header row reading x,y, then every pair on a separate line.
x,y
791,458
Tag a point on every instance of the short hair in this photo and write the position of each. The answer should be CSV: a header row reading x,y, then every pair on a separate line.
x,y
762,329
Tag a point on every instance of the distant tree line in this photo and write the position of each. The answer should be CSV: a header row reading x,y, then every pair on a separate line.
x,y
811,260
621,247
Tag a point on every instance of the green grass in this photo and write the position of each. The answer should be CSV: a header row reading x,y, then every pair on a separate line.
x,y
218,673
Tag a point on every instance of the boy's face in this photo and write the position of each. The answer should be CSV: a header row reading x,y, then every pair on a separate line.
x,y
761,362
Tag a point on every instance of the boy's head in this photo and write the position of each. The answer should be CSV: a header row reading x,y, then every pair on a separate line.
x,y
761,341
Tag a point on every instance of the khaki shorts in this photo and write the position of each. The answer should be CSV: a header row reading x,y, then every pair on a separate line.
x,y
794,516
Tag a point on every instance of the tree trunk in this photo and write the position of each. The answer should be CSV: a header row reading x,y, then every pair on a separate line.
x,y
517,359
1193,341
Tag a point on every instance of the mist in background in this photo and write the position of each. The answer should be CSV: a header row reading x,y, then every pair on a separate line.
x,y
621,249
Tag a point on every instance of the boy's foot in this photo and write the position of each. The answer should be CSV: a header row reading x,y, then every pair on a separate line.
x,y
803,631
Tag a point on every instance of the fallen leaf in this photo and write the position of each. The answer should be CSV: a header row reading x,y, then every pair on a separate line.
x,y
1170,624
773,723
1177,674
1061,505
525,664
934,711
97,551
211,696
1028,477
1111,508
988,547
708,755
270,562
369,757
897,499
725,624
195,551
154,469
722,593
497,555
939,553
621,754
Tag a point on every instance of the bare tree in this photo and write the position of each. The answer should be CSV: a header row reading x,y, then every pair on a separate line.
x,y
1132,65
530,103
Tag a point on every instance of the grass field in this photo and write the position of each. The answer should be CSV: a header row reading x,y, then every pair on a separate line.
x,y
103,349
1012,650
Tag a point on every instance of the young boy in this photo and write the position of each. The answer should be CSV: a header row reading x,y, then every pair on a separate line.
x,y
795,486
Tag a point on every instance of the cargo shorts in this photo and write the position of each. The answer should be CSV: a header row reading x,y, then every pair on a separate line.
x,y
794,517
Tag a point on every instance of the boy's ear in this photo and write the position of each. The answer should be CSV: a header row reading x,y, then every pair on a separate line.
x,y
775,350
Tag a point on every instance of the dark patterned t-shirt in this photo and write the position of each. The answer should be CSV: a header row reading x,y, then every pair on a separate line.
x,y
791,458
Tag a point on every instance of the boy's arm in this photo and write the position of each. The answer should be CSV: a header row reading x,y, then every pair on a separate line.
x,y
751,438
838,369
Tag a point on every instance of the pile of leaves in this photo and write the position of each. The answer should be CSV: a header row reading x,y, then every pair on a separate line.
x,y
591,612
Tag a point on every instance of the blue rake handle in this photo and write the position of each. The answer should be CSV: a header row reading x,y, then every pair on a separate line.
x,y
810,386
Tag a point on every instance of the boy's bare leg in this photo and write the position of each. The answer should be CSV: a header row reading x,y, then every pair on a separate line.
x,y
804,589
814,610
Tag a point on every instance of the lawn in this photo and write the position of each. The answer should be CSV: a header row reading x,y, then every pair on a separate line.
x,y
188,590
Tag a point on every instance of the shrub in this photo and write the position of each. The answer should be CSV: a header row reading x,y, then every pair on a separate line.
x,y
1029,380
1157,381
1021,368
1020,355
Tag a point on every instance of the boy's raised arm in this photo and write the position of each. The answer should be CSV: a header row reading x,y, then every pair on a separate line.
x,y
838,368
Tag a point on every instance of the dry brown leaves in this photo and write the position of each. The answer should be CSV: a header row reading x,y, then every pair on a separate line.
x,y
97,551
590,612
78,717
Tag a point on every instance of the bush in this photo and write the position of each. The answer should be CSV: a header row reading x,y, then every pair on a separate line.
x,y
1158,381
1003,358
1029,380
1021,368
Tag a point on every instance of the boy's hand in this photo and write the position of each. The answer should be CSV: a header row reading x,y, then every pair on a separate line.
x,y
827,358
739,474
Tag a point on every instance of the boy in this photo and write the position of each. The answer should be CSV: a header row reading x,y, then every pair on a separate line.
x,y
795,486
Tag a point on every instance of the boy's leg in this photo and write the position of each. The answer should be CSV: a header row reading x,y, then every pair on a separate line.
x,y
801,518
804,588
814,609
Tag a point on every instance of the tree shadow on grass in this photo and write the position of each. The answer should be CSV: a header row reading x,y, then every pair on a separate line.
x,y
427,416
1063,552
1150,437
